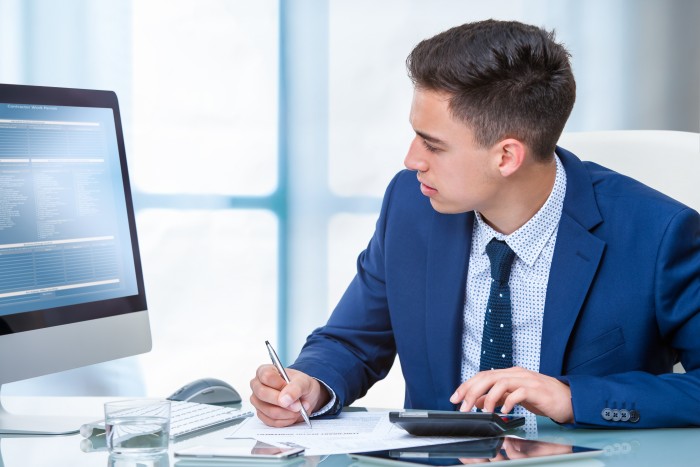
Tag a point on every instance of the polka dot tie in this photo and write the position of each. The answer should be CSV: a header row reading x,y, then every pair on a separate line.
x,y
497,340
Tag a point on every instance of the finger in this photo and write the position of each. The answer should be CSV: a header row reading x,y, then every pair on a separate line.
x,y
468,399
497,394
299,388
461,391
477,387
514,398
269,376
483,382
270,387
276,422
272,414
479,404
519,390
457,396
288,399
264,392
528,391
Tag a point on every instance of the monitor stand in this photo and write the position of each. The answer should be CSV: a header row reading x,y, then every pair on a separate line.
x,y
41,425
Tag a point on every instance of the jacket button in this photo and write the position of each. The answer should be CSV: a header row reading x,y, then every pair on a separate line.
x,y
607,414
634,416
616,417
624,415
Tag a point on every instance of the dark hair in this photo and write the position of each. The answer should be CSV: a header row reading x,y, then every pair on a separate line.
x,y
506,80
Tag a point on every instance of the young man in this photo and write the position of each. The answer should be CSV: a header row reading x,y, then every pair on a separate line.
x,y
601,290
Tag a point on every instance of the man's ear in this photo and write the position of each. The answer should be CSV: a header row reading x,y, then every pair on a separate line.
x,y
511,156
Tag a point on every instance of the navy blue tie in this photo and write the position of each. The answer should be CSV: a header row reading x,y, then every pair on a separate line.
x,y
497,340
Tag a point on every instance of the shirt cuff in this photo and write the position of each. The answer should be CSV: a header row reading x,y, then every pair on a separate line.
x,y
330,405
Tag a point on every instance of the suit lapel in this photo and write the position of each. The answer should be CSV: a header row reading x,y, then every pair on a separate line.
x,y
575,262
448,254
577,256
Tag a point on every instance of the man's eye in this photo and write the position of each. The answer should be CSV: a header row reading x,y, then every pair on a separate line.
x,y
429,147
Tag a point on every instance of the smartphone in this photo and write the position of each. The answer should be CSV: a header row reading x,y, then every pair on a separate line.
x,y
240,449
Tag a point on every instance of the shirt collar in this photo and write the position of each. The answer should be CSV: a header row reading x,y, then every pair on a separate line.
x,y
529,240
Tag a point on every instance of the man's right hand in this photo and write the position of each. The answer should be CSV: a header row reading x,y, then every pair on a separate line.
x,y
278,403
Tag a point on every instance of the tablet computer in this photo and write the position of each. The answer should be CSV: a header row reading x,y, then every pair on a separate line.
x,y
514,450
443,423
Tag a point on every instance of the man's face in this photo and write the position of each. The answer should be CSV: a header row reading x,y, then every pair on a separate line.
x,y
455,173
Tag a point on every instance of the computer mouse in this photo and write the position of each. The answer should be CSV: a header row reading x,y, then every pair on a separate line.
x,y
207,391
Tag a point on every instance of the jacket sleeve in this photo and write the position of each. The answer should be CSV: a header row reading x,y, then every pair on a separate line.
x,y
665,400
356,347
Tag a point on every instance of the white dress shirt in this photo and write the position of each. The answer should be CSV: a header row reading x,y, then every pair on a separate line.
x,y
533,244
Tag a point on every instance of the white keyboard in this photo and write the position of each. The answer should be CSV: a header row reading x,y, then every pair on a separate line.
x,y
190,417
186,418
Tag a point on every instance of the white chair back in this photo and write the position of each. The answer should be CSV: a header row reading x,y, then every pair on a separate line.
x,y
668,161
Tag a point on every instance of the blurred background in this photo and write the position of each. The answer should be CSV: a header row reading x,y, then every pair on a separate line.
x,y
261,135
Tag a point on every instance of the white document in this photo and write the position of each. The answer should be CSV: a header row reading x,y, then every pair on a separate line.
x,y
349,432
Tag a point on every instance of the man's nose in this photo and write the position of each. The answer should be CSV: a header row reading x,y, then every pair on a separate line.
x,y
414,159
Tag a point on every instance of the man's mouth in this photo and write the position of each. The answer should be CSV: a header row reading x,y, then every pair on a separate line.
x,y
426,189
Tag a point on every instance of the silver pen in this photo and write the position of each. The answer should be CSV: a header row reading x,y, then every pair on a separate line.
x,y
283,374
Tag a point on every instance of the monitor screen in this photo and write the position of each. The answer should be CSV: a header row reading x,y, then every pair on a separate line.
x,y
71,286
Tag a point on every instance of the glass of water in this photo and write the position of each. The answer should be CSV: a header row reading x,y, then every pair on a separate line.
x,y
137,427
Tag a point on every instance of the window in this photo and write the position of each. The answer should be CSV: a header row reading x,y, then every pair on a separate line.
x,y
204,162
261,135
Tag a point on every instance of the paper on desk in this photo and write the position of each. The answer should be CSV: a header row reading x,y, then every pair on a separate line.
x,y
349,432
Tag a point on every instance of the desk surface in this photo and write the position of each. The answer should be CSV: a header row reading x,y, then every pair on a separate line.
x,y
622,447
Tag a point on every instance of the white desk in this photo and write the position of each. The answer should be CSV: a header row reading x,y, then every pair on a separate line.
x,y
662,447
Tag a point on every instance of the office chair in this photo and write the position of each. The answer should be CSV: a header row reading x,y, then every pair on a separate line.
x,y
668,161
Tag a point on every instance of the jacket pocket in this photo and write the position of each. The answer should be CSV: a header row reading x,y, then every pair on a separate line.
x,y
601,347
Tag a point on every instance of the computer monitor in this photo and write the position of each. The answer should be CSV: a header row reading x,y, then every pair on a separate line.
x,y
71,286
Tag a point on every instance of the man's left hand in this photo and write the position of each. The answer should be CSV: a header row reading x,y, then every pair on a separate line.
x,y
540,394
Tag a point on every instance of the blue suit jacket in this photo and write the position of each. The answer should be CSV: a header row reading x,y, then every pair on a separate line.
x,y
622,305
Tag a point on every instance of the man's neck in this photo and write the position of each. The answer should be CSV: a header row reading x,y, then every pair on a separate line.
x,y
521,197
